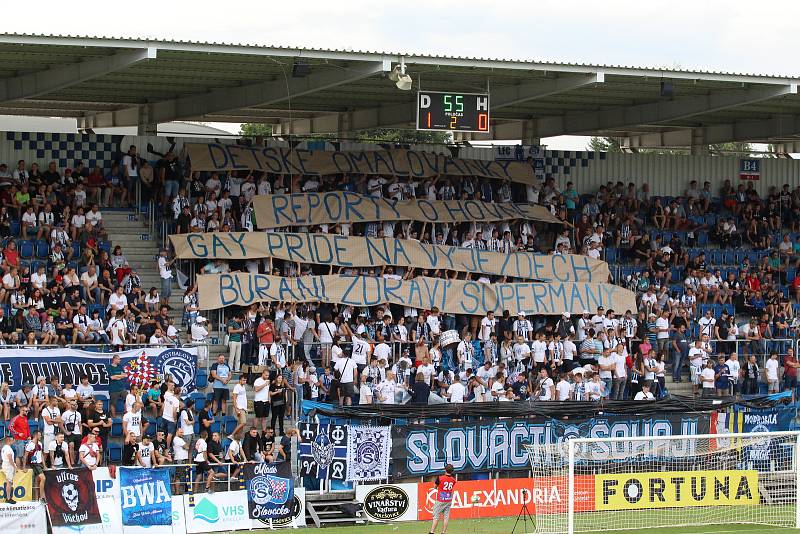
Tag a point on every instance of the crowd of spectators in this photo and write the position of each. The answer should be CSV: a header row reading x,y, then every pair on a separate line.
x,y
727,326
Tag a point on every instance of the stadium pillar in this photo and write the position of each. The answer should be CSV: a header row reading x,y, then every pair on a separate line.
x,y
344,124
530,135
699,146
144,125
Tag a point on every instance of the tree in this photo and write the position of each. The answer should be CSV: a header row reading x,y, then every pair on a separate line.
x,y
744,149
375,135
255,129
604,144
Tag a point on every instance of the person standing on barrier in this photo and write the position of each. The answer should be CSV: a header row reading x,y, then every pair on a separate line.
x,y
221,374
445,487
199,335
235,331
277,392
9,467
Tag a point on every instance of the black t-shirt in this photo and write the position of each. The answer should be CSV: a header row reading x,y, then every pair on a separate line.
x,y
286,445
160,447
280,399
215,448
100,417
266,443
250,445
50,177
206,419
183,222
129,453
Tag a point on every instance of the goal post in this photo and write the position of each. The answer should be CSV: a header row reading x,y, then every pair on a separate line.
x,y
604,484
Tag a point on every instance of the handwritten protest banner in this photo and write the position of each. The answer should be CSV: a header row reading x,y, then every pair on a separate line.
x,y
416,164
331,249
451,296
338,207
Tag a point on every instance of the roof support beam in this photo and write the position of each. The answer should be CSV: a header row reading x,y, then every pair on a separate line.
x,y
252,95
518,94
46,81
658,112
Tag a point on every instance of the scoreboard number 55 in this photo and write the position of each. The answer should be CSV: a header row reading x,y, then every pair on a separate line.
x,y
446,111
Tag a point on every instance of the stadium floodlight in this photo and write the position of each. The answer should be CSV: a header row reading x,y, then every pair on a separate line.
x,y
398,75
610,484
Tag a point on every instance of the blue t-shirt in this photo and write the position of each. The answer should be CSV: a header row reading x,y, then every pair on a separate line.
x,y
724,372
222,371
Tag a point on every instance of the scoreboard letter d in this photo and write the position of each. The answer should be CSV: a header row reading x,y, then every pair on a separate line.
x,y
424,101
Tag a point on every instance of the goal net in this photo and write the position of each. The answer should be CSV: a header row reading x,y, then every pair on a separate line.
x,y
648,482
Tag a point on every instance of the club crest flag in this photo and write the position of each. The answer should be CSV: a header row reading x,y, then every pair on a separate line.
x,y
71,498
145,496
368,449
270,490
323,450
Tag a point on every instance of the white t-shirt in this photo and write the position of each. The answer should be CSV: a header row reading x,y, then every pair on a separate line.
x,y
58,459
457,391
241,396
35,456
383,351
178,451
662,323
146,454
71,417
261,395
644,396
164,271
706,374
89,454
696,356
171,405
772,369
133,422
360,351
427,371
733,368
52,413
605,360
547,383
539,349
186,425
345,367
8,456
200,447
487,325
385,392
563,389
619,361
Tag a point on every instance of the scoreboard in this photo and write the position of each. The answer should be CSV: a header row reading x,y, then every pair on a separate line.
x,y
460,112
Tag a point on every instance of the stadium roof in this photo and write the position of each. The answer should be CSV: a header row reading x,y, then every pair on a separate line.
x,y
111,82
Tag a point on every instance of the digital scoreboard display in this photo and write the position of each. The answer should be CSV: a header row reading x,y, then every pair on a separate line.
x,y
459,112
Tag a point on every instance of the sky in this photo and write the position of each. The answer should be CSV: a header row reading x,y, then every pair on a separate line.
x,y
731,36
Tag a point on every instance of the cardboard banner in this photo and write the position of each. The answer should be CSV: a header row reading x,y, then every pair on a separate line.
x,y
339,250
145,496
410,163
450,296
340,207
71,497
22,366
421,450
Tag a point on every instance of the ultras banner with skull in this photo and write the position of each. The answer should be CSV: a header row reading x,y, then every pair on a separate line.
x,y
323,450
71,498
23,366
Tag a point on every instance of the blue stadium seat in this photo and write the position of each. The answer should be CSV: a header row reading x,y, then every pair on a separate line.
x,y
611,255
105,245
216,426
116,427
120,406
228,423
42,248
14,227
151,428
114,452
202,378
76,249
26,249
36,264
729,258
790,274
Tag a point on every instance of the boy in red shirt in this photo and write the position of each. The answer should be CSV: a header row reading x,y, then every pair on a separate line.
x,y
445,485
